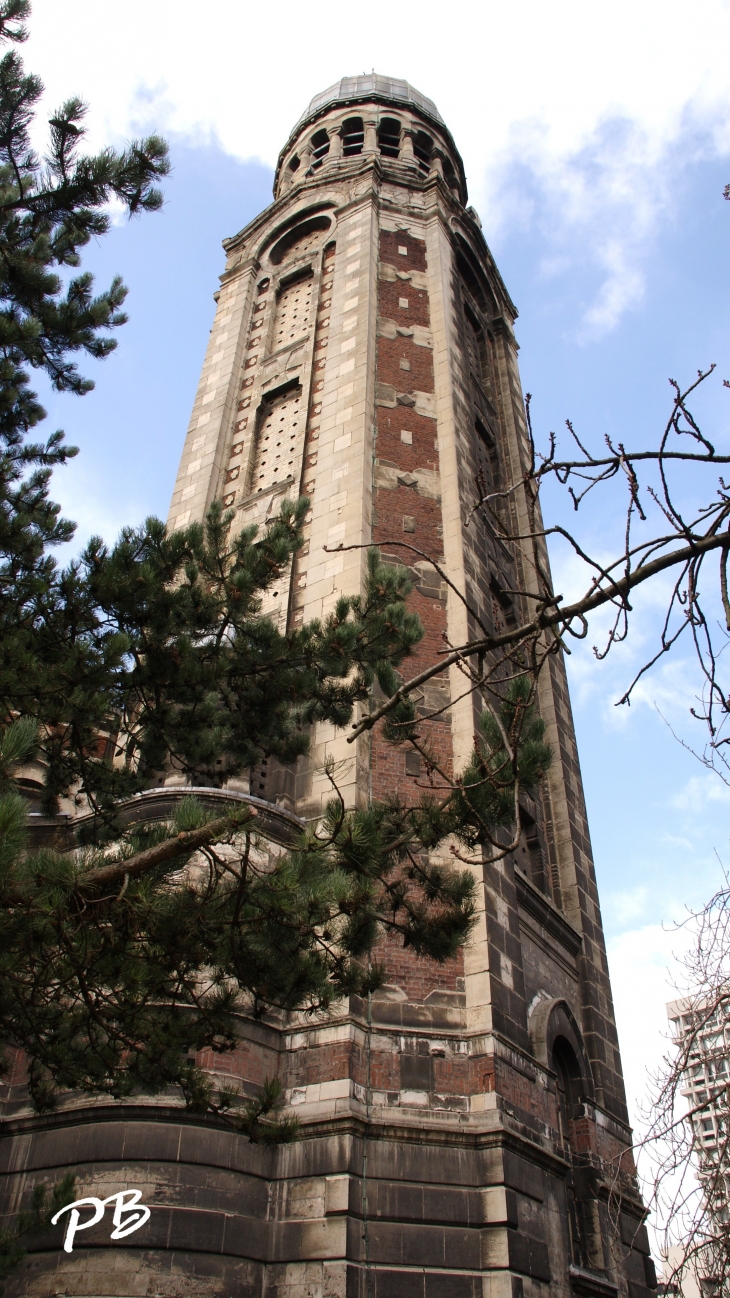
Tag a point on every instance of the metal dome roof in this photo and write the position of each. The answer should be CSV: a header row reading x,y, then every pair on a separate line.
x,y
371,85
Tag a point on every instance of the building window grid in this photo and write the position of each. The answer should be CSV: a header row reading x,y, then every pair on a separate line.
x,y
706,1078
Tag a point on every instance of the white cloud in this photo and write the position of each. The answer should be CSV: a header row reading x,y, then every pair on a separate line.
x,y
699,790
623,908
596,108
645,958
621,289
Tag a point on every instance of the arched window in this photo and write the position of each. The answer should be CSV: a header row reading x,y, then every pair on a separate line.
x,y
558,1044
299,239
353,137
581,1187
320,148
479,349
570,1094
389,137
570,1086
294,164
423,148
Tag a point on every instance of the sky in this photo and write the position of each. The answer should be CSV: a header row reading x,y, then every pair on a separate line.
x,y
596,141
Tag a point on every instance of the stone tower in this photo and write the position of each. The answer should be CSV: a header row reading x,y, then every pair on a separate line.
x,y
465,1134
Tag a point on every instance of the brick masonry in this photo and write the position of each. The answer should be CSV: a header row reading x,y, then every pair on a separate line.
x,y
462,1134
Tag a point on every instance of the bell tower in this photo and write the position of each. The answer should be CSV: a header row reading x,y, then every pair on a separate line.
x,y
465,1134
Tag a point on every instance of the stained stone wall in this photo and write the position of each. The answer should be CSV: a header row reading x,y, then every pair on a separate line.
x,y
466,1132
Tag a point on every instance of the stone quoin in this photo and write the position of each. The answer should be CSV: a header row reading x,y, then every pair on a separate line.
x,y
465,1134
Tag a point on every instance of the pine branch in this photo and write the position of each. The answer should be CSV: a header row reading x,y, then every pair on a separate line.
x,y
183,844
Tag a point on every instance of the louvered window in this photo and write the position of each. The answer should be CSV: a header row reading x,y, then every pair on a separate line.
x,y
353,136
320,148
423,148
389,137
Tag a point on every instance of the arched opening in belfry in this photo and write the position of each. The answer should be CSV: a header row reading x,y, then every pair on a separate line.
x,y
423,149
450,175
320,148
389,137
353,137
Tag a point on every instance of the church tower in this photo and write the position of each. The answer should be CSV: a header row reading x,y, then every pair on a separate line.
x,y
465,1134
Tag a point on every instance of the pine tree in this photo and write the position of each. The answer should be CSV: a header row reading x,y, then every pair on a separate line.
x,y
127,954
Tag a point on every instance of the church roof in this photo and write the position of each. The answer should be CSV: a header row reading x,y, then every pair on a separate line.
x,y
371,86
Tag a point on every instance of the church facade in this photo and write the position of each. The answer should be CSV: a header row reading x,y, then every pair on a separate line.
x,y
465,1134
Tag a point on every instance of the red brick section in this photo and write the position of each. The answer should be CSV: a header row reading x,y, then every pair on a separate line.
x,y
416,977
394,292
415,256
250,1062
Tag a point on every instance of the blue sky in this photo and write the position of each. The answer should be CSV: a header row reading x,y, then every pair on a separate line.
x,y
597,145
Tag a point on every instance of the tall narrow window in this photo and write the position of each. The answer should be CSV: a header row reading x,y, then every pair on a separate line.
x,y
423,148
353,137
504,616
389,137
583,1213
529,855
293,311
473,344
478,350
280,441
488,466
320,148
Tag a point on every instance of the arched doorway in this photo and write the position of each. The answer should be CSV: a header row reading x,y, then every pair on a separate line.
x,y
558,1044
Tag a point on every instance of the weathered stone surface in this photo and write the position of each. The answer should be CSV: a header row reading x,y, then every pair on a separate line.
x,y
458,1140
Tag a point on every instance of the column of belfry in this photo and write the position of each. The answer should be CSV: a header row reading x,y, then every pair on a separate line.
x,y
464,1135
